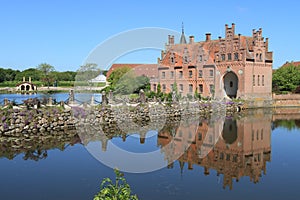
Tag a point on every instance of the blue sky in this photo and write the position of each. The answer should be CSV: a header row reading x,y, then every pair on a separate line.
x,y
63,33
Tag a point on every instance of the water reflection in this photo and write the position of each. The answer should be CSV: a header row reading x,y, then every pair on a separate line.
x,y
242,150
36,148
235,147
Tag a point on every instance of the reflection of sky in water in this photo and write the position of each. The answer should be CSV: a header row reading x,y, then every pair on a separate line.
x,y
75,174
133,144
18,98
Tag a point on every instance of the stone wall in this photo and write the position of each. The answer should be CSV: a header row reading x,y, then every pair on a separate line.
x,y
286,100
43,121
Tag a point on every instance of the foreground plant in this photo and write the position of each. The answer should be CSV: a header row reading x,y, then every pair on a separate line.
x,y
119,190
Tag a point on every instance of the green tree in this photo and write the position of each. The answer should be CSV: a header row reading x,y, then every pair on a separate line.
x,y
174,88
117,74
87,72
286,78
115,191
46,70
65,76
158,90
129,83
35,74
7,74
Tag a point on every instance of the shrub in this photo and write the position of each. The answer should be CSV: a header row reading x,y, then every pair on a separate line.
x,y
115,191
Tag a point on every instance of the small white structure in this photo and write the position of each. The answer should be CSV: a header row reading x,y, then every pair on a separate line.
x,y
99,79
26,86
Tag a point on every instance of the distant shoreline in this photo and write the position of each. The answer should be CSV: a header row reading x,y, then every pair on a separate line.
x,y
9,90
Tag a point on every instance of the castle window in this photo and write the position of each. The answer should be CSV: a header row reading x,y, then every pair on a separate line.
x,y
190,88
229,56
180,87
190,74
163,75
180,133
260,57
211,72
171,86
257,137
210,139
253,81
185,59
200,88
262,134
221,156
190,135
172,74
200,74
172,60
252,135
164,87
154,87
211,88
263,80
180,74
200,58
222,57
200,136
234,159
257,80
236,56
228,157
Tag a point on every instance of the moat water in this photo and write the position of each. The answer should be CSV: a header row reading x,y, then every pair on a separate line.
x,y
19,98
249,156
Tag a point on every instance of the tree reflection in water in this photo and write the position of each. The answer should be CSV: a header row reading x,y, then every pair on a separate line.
x,y
239,146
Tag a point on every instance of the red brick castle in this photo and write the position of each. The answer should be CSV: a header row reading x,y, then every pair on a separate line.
x,y
235,66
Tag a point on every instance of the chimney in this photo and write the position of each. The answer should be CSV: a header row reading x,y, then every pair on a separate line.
x,y
226,27
239,40
208,37
172,39
191,39
24,79
29,79
233,28
169,39
267,44
220,38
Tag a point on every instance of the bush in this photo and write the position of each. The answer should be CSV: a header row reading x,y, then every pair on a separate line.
x,y
115,191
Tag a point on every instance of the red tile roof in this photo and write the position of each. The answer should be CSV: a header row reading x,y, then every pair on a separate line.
x,y
297,63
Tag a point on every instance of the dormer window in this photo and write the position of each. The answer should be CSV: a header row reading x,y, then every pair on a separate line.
x,y
200,58
229,34
172,58
185,56
185,59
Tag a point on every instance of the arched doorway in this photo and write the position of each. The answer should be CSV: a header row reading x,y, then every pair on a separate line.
x,y
231,82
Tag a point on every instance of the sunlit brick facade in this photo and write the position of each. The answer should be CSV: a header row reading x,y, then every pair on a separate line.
x,y
235,66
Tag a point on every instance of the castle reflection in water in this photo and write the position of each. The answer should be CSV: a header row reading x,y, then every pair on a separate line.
x,y
234,148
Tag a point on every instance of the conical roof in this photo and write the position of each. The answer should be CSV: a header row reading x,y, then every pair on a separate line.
x,y
182,38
